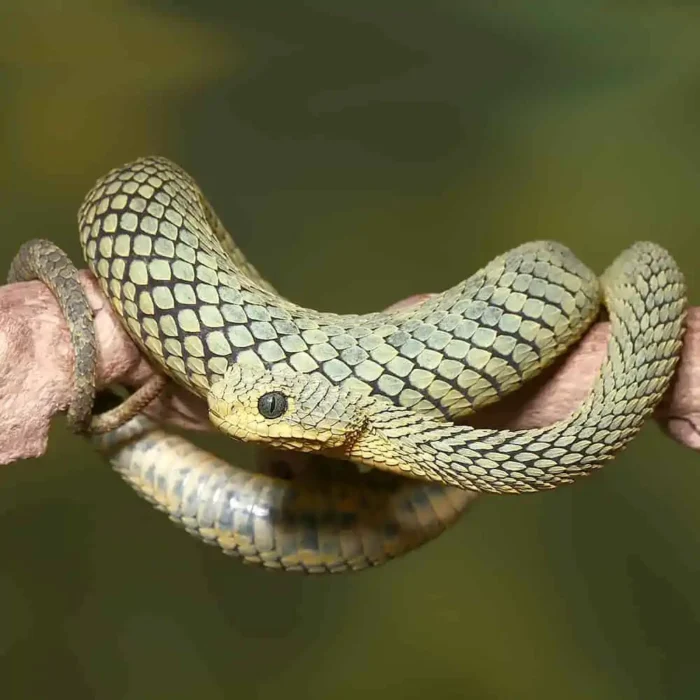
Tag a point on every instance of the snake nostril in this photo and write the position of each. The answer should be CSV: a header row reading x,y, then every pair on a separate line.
x,y
272,405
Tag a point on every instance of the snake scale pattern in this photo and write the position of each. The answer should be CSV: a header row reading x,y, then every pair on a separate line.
x,y
380,389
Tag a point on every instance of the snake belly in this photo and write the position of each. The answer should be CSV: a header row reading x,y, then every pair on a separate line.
x,y
313,522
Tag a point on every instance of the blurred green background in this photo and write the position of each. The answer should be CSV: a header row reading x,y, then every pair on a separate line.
x,y
361,152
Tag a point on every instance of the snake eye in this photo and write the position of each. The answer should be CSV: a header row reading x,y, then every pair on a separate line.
x,y
272,405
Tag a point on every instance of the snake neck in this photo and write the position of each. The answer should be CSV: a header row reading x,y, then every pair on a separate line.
x,y
396,439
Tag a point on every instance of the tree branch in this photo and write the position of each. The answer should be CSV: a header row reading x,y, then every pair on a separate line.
x,y
36,361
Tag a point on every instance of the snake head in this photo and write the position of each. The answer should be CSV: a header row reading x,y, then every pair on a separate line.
x,y
285,409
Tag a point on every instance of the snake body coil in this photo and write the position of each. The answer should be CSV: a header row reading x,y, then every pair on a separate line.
x,y
311,522
381,389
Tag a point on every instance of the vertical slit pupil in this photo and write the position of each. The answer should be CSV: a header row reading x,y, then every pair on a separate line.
x,y
272,405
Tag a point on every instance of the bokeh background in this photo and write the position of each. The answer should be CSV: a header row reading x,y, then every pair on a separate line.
x,y
361,152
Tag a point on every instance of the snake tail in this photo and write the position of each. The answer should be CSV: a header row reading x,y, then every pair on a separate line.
x,y
43,260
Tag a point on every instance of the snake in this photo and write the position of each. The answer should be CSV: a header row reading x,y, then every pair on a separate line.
x,y
383,389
